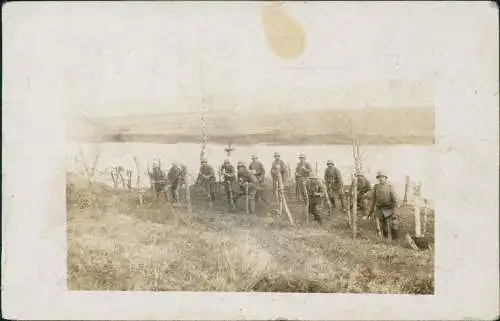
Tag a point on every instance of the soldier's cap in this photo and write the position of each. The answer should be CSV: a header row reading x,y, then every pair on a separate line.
x,y
240,164
302,156
203,160
227,160
276,154
254,156
360,174
381,174
329,162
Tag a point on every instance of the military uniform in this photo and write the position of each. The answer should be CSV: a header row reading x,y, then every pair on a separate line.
x,y
207,178
246,177
302,172
314,192
159,181
257,166
229,177
283,169
334,184
174,176
364,187
384,204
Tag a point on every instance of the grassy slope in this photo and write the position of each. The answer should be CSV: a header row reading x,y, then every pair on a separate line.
x,y
115,244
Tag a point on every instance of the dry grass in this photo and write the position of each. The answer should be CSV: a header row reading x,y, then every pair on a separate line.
x,y
116,244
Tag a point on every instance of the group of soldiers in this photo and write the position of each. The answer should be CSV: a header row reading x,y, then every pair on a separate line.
x,y
251,178
176,177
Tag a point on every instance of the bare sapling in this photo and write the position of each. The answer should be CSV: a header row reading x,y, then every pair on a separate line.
x,y
188,192
90,172
114,177
139,187
354,205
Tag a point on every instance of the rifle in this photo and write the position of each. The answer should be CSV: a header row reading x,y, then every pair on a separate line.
x,y
323,185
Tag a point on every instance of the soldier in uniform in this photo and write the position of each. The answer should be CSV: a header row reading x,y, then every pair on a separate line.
x,y
384,205
159,179
314,192
334,184
283,169
174,176
258,169
302,172
364,187
229,176
246,177
207,178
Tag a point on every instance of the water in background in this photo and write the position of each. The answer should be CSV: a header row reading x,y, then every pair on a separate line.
x,y
397,160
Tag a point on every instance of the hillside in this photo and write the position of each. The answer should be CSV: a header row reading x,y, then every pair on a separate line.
x,y
116,244
373,125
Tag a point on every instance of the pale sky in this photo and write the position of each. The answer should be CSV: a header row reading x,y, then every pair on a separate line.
x,y
160,57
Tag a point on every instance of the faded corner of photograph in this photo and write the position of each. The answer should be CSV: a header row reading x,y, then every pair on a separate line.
x,y
254,167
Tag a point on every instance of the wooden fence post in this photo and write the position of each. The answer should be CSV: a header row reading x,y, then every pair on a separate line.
x,y
139,187
407,185
425,217
306,200
416,210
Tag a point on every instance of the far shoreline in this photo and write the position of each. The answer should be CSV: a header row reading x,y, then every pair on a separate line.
x,y
254,139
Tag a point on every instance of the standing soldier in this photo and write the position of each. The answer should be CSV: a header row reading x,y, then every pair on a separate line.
x,y
174,176
207,178
159,179
334,184
257,168
246,177
302,172
229,176
314,191
384,205
278,163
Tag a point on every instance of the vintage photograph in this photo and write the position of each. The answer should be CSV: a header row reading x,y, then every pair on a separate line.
x,y
282,151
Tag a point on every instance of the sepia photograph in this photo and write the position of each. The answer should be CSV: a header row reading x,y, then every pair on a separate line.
x,y
261,165
250,160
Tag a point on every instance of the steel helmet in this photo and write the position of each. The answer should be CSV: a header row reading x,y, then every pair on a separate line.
x,y
254,156
329,162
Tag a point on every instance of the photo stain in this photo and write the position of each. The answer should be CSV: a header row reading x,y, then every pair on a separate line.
x,y
285,35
